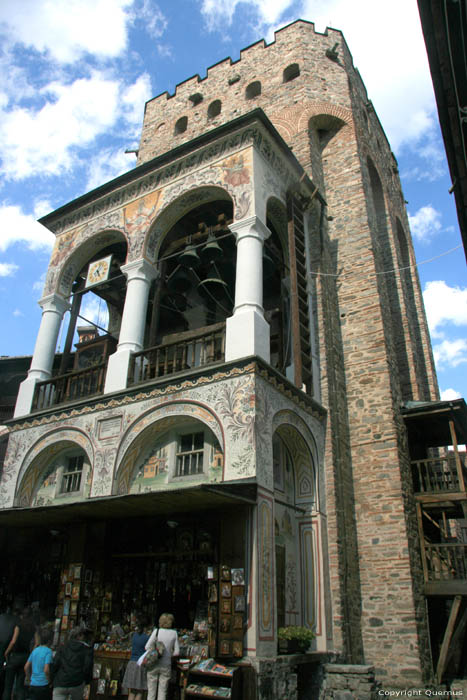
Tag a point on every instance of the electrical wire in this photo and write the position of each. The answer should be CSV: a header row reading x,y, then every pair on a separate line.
x,y
387,272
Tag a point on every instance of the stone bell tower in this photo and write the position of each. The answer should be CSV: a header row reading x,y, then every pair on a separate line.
x,y
258,350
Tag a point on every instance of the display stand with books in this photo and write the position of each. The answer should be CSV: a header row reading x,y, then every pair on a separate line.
x,y
210,679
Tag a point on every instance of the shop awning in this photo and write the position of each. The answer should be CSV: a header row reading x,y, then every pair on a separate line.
x,y
201,498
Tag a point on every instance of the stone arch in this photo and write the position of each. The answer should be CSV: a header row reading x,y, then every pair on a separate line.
x,y
292,120
303,451
154,423
46,449
73,249
176,204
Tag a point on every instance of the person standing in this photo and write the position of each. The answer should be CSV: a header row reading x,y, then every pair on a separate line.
x,y
159,675
37,668
135,679
72,667
16,655
8,622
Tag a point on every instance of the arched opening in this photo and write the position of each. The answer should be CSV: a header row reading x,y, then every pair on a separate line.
x,y
290,73
180,126
295,555
389,292
97,287
214,109
173,450
253,90
60,474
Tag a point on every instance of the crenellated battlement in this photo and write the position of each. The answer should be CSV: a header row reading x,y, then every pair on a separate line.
x,y
172,119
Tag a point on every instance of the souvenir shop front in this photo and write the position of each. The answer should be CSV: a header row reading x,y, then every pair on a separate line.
x,y
102,564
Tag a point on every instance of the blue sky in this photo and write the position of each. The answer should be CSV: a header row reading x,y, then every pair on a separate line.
x,y
74,77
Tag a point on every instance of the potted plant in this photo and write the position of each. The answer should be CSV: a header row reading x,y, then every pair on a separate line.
x,y
294,639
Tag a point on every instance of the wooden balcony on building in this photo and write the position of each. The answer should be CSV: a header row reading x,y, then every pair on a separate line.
x,y
445,568
179,353
442,478
72,386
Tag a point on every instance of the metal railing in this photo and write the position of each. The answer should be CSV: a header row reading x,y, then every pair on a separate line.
x,y
69,387
439,474
191,350
445,562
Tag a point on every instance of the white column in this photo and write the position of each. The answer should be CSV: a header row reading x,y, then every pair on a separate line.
x,y
53,309
140,274
247,331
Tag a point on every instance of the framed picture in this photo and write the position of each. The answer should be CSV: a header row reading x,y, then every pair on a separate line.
x,y
75,592
237,649
237,622
113,688
239,603
101,683
224,647
88,576
226,606
238,577
226,590
96,671
210,573
225,624
77,571
66,606
65,622
212,593
225,573
68,588
108,673
74,608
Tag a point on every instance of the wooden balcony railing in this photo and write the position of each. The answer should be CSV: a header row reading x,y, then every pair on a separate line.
x,y
439,474
445,562
191,349
69,387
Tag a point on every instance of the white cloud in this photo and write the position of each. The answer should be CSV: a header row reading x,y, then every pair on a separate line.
x,y
94,309
152,18
444,304
425,223
108,165
17,313
450,353
8,269
67,30
133,99
45,141
450,395
19,228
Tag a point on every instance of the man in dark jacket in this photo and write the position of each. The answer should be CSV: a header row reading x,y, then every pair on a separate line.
x,y
17,652
72,667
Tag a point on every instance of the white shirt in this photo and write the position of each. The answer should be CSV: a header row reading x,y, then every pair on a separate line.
x,y
170,640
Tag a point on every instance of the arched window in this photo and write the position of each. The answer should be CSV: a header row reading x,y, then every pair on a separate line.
x,y
214,109
291,72
181,125
253,90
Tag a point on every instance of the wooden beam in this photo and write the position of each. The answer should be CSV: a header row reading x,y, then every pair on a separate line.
x,y
444,651
294,311
460,472
422,542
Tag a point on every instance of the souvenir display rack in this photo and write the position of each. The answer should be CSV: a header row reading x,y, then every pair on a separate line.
x,y
209,679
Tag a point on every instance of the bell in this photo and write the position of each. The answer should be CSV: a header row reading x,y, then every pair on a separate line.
x,y
212,287
211,251
179,280
189,257
269,266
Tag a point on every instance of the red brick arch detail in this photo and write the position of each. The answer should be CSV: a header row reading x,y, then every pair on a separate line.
x,y
292,120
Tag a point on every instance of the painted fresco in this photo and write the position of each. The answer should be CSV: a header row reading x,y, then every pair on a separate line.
x,y
237,405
